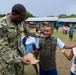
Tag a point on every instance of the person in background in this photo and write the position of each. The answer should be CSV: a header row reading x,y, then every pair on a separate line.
x,y
47,52
37,39
57,27
63,29
71,31
39,31
29,45
69,57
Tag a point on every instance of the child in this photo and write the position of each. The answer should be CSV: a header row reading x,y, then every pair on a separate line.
x,y
37,39
39,31
69,57
57,27
47,52
29,44
71,33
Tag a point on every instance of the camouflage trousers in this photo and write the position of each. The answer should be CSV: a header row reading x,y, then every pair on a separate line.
x,y
12,68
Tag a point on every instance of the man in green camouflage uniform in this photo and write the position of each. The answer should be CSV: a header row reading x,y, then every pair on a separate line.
x,y
11,27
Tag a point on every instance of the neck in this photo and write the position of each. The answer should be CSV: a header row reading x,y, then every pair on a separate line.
x,y
48,37
26,36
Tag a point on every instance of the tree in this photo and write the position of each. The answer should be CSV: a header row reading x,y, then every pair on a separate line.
x,y
29,15
2,15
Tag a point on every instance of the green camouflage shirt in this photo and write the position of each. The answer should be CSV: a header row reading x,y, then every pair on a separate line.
x,y
10,39
10,46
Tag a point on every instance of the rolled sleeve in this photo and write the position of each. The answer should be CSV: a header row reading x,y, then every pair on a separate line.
x,y
60,44
37,42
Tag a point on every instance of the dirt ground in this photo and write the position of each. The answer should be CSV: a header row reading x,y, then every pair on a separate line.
x,y
63,65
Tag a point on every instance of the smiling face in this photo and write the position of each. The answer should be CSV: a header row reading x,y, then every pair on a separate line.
x,y
48,31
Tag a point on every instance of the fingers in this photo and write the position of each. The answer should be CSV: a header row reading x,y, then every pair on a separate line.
x,y
25,61
32,51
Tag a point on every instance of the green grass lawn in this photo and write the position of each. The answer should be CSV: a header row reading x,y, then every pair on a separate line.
x,y
63,65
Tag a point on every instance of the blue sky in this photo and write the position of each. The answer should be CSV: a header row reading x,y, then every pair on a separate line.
x,y
41,7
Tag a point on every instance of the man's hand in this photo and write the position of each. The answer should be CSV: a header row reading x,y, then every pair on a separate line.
x,y
25,61
33,51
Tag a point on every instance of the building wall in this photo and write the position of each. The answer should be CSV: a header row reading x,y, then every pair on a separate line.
x,y
60,24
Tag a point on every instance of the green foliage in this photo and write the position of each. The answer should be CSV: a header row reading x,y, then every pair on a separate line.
x,y
2,15
67,16
29,15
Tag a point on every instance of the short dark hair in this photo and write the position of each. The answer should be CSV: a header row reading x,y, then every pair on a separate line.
x,y
50,27
18,9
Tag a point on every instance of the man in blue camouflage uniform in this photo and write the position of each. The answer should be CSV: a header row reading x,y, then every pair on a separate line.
x,y
11,27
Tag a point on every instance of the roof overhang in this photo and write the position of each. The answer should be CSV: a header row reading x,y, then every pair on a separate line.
x,y
42,19
67,20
